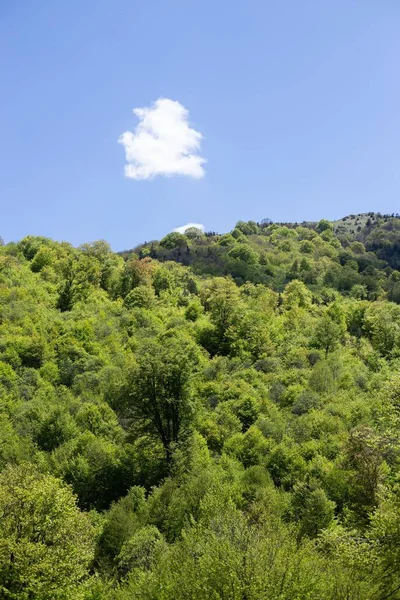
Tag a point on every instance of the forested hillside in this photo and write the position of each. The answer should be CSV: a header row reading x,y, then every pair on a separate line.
x,y
208,417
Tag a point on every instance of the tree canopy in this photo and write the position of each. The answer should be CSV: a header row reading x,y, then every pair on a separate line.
x,y
209,416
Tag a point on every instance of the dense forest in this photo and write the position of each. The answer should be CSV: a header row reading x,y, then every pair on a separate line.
x,y
205,417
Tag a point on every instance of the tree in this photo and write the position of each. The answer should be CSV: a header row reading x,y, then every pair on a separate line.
x,y
385,536
327,334
359,291
159,400
141,550
311,508
136,272
330,329
247,227
265,222
382,325
79,273
307,247
364,458
174,240
245,253
194,232
220,298
123,519
226,557
109,263
296,294
324,225
162,280
57,427
249,335
142,297
46,543
44,256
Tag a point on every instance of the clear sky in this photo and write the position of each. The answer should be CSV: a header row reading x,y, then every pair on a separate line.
x,y
297,102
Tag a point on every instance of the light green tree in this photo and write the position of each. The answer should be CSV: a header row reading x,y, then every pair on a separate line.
x,y
46,543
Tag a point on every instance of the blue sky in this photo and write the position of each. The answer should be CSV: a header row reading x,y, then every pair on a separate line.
x,y
298,104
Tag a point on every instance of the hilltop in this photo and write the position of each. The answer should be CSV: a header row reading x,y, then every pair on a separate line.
x,y
356,250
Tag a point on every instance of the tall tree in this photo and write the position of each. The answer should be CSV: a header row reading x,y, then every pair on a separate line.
x,y
159,400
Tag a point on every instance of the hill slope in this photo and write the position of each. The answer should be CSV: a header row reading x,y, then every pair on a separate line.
x,y
210,416
357,250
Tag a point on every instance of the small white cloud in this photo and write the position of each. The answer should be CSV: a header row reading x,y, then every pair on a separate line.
x,y
183,228
162,143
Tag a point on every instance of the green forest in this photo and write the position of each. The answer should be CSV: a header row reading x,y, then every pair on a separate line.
x,y
204,417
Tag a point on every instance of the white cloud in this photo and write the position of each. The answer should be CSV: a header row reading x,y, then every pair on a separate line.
x,y
162,143
183,228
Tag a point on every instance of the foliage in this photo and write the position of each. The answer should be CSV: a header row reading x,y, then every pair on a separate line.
x,y
209,416
46,543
